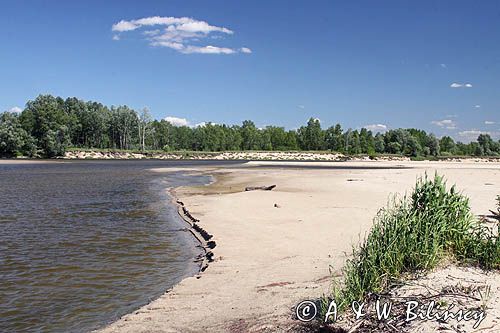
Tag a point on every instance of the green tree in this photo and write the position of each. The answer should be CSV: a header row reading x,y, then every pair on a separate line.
x,y
433,145
276,136
14,140
413,147
476,149
250,135
233,138
366,141
123,127
394,147
291,141
210,137
447,145
47,120
396,141
311,137
486,143
379,143
334,138
143,127
353,142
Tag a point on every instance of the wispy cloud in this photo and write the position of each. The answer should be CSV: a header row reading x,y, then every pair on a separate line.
x,y
180,34
209,49
152,32
477,106
16,109
376,127
460,85
445,123
489,122
177,121
300,106
443,65
472,134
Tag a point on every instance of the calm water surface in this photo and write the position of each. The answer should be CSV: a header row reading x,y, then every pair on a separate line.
x,y
83,242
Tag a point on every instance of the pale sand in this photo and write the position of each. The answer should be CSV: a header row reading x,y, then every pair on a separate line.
x,y
267,258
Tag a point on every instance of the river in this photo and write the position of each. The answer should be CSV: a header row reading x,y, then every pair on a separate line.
x,y
84,242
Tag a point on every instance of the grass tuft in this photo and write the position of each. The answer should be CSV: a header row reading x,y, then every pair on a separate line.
x,y
414,234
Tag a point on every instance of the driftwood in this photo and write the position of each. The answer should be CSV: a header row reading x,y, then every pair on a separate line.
x,y
206,236
263,188
200,234
188,214
496,215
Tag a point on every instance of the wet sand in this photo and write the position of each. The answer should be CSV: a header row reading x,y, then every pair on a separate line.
x,y
269,258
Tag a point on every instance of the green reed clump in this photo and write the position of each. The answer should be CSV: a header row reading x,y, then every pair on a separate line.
x,y
482,247
413,234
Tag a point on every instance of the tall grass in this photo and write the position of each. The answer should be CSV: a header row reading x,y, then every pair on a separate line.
x,y
413,234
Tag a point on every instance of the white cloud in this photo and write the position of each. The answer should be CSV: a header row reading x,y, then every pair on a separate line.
x,y
470,134
124,26
376,127
177,121
16,109
445,123
474,133
179,33
201,26
152,32
116,37
209,49
300,106
172,45
489,122
443,65
460,85
477,106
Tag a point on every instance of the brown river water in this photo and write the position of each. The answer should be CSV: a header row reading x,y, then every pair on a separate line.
x,y
84,242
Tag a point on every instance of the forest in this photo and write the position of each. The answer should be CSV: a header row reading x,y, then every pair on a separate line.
x,y
49,125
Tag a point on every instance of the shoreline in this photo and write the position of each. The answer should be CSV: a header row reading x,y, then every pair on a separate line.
x,y
202,260
262,244
200,235
265,156
252,157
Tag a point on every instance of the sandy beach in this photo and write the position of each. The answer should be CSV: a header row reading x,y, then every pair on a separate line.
x,y
276,248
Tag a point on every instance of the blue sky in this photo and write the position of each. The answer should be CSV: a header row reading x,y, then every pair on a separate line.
x,y
428,64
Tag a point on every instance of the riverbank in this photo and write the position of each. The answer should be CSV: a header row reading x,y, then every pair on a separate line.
x,y
199,155
276,248
255,156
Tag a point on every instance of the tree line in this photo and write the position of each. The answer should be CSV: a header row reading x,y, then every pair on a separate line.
x,y
49,125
